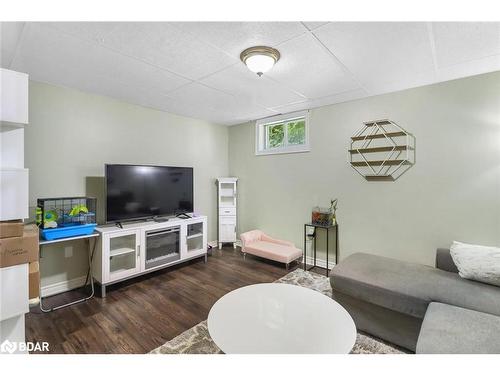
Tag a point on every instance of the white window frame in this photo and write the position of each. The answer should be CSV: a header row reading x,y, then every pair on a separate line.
x,y
261,127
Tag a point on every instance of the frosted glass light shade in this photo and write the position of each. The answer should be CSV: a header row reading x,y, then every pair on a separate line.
x,y
260,59
259,63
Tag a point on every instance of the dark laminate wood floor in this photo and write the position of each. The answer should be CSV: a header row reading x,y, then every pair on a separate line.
x,y
139,315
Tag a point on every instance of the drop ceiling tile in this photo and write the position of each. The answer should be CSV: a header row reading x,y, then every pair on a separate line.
x,y
339,98
314,25
93,31
157,100
130,94
380,53
208,114
234,37
293,107
133,62
200,96
327,100
152,98
10,34
45,47
165,46
469,68
416,79
241,82
45,51
62,74
148,98
458,42
202,113
229,117
307,67
139,74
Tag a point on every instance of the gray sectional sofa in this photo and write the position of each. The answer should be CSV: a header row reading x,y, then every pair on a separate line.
x,y
418,307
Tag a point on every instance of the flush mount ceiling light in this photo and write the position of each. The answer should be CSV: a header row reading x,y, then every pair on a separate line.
x,y
260,59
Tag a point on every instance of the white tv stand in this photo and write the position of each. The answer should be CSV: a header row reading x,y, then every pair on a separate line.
x,y
142,247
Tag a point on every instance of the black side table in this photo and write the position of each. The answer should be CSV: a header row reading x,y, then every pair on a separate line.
x,y
327,229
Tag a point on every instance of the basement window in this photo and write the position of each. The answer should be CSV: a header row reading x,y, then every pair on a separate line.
x,y
282,134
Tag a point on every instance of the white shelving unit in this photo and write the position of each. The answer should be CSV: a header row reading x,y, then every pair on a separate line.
x,y
382,150
14,99
227,201
13,199
13,118
142,247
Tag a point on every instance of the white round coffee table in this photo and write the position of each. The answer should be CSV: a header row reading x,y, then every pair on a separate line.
x,y
280,318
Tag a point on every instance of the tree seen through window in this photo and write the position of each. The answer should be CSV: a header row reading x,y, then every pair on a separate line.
x,y
285,134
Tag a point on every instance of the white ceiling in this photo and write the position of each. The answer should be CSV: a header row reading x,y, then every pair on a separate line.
x,y
193,68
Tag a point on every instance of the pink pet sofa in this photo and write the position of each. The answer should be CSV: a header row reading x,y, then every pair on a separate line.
x,y
260,244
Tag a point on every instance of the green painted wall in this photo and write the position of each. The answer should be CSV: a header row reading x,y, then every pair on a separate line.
x,y
452,193
72,134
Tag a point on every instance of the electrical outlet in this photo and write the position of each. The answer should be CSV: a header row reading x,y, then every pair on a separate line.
x,y
68,251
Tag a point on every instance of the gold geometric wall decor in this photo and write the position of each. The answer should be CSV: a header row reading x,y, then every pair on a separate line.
x,y
382,150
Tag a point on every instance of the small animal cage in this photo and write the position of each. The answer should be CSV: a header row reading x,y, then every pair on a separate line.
x,y
66,217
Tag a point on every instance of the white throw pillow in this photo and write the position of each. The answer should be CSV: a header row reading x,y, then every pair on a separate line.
x,y
475,262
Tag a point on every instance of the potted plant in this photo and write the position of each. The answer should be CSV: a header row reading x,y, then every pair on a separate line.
x,y
333,211
325,216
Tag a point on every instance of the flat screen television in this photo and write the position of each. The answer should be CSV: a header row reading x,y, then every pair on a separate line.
x,y
136,192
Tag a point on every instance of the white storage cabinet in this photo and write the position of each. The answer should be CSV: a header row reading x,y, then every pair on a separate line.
x,y
227,206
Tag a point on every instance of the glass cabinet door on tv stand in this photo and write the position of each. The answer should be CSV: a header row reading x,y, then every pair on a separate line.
x,y
123,254
195,239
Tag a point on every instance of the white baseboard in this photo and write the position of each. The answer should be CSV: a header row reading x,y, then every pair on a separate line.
x,y
62,286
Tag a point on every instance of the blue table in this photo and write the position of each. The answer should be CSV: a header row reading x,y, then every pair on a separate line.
x,y
91,250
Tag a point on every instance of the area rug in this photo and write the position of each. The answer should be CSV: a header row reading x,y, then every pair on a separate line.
x,y
196,340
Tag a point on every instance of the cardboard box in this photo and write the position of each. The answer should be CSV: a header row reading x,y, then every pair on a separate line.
x,y
31,241
11,228
34,280
18,250
34,267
